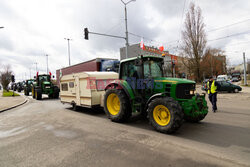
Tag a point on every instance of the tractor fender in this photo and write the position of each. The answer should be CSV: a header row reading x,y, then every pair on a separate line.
x,y
153,97
122,85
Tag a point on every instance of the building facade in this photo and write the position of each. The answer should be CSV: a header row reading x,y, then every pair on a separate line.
x,y
170,61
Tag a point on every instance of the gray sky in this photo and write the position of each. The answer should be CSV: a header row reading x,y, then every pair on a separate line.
x,y
34,28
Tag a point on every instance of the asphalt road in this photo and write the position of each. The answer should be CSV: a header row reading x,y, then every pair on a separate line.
x,y
48,133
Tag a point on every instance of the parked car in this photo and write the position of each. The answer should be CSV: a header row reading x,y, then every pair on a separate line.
x,y
228,87
224,86
222,78
204,85
235,79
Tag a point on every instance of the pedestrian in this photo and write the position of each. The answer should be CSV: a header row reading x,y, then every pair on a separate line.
x,y
212,88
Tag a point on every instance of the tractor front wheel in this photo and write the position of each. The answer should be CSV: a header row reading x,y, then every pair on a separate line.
x,y
33,93
116,105
165,114
38,95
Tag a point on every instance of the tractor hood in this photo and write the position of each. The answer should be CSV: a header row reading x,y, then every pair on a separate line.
x,y
174,80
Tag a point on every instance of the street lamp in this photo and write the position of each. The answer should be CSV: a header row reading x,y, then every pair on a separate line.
x,y
47,59
68,39
126,25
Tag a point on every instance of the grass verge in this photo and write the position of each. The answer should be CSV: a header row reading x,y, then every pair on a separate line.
x,y
8,94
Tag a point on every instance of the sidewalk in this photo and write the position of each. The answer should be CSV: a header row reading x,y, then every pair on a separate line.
x,y
7,103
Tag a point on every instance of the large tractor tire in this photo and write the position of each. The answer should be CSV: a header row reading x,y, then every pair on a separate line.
x,y
116,105
26,92
194,119
165,114
38,95
56,95
33,93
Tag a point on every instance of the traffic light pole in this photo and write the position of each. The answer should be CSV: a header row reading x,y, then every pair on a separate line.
x,y
114,36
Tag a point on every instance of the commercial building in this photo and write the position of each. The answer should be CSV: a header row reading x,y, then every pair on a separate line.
x,y
170,61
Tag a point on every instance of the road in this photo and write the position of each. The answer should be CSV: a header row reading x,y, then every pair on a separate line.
x,y
48,133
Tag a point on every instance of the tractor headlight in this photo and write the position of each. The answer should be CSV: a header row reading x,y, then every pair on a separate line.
x,y
192,92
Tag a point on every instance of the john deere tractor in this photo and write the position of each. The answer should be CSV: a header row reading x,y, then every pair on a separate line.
x,y
142,88
44,85
28,86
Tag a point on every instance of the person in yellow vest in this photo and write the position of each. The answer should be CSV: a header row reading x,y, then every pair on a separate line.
x,y
212,88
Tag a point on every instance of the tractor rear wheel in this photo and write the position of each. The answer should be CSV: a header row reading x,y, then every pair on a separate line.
x,y
165,114
116,105
56,95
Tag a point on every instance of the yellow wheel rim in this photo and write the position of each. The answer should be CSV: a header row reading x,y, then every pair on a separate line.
x,y
161,115
113,104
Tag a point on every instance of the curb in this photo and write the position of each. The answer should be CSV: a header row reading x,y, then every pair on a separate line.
x,y
26,100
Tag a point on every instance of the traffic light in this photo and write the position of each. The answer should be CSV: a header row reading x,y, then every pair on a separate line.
x,y
12,78
86,33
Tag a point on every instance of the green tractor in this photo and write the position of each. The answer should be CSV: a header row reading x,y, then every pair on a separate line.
x,y
44,85
142,88
28,86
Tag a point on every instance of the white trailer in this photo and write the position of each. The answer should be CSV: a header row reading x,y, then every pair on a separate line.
x,y
85,89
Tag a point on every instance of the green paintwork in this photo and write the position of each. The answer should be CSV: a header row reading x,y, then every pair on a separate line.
x,y
46,86
193,106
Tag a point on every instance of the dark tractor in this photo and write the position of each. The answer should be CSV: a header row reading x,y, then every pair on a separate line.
x,y
143,88
19,86
44,85
28,86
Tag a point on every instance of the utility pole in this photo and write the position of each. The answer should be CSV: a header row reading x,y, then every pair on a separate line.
x,y
126,25
211,62
30,73
68,39
245,74
47,63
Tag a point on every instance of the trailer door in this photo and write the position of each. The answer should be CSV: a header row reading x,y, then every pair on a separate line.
x,y
77,83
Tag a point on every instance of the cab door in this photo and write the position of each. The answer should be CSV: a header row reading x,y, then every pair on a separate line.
x,y
77,88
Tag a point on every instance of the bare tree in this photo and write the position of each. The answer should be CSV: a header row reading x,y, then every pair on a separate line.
x,y
5,76
194,40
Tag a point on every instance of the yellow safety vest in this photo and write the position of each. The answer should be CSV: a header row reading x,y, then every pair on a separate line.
x,y
213,87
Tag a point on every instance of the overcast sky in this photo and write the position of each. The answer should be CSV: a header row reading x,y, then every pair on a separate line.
x,y
33,28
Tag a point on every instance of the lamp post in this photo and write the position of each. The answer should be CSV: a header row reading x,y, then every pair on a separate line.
x,y
47,58
126,25
68,39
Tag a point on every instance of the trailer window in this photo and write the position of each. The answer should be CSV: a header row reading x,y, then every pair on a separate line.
x,y
71,84
64,87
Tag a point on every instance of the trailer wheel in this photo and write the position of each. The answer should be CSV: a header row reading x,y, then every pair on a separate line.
x,y
116,105
74,106
165,114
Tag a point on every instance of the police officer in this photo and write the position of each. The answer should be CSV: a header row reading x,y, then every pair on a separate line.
x,y
212,87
